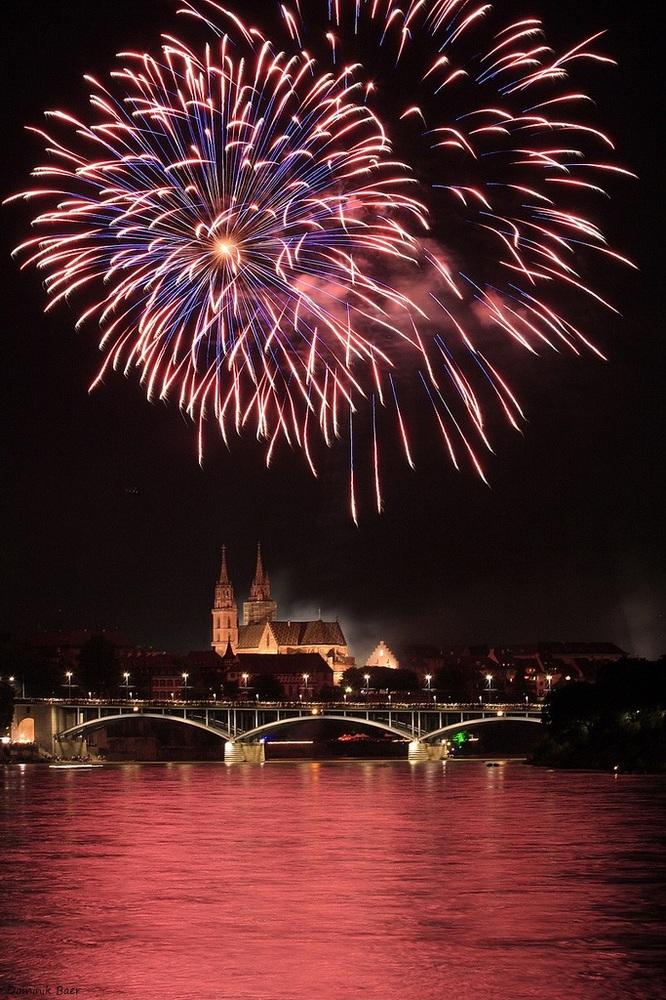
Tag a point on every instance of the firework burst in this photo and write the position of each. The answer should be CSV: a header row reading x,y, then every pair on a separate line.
x,y
273,238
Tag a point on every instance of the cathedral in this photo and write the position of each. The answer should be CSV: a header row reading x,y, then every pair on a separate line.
x,y
262,633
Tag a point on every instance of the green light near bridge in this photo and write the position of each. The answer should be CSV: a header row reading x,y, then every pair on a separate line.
x,y
460,738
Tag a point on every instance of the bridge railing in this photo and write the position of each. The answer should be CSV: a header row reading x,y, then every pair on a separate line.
x,y
322,706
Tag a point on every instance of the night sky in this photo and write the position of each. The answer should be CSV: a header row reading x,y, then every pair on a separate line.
x,y
109,521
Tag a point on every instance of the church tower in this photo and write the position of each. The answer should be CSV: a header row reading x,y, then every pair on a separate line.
x,y
225,612
260,607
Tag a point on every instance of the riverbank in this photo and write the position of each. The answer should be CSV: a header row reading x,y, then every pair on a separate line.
x,y
629,750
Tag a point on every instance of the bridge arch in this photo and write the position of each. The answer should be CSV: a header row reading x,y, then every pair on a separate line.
x,y
454,727
255,735
79,731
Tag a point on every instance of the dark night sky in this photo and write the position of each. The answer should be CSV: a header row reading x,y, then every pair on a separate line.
x,y
567,543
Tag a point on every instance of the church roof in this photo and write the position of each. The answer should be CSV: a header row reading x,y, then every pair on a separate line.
x,y
290,633
249,636
313,633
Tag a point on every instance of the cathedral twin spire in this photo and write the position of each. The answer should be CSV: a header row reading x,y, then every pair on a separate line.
x,y
258,608
261,586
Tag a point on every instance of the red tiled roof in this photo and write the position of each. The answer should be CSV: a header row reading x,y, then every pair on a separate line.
x,y
249,636
313,633
294,634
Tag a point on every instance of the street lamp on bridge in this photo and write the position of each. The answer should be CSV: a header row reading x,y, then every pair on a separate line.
x,y
305,685
126,684
15,684
185,686
68,683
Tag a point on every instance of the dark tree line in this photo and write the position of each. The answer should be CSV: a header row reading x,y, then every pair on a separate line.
x,y
617,722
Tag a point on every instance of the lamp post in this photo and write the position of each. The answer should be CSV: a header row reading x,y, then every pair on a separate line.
x,y
68,675
549,679
14,682
348,690
367,685
489,678
126,684
185,676
428,682
305,685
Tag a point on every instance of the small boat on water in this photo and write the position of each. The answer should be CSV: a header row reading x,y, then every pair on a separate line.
x,y
73,767
492,763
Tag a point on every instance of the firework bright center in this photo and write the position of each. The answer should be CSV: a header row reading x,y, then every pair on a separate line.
x,y
227,251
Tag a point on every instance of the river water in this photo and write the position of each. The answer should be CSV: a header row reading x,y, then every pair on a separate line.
x,y
332,881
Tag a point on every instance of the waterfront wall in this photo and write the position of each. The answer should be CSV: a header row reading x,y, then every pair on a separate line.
x,y
37,723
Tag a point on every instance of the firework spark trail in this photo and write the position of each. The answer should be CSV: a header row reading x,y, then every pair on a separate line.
x,y
484,112
230,205
265,253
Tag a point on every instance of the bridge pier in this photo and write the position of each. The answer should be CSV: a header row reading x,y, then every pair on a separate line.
x,y
418,751
67,749
240,753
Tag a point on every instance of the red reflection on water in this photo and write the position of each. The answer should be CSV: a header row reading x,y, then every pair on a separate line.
x,y
333,880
